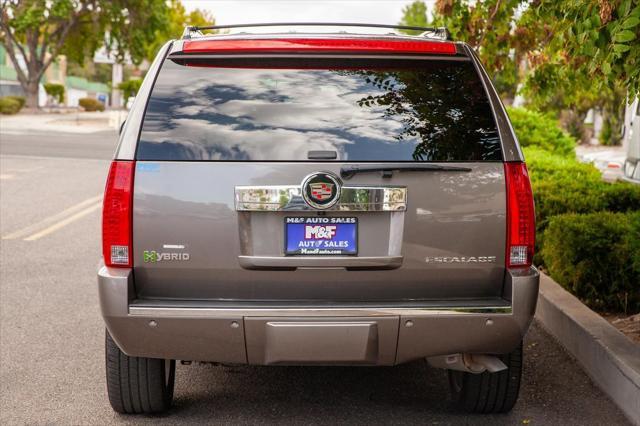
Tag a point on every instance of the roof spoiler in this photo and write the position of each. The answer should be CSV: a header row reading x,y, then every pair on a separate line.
x,y
441,33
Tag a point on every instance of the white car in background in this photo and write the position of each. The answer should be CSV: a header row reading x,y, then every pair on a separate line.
x,y
631,138
618,162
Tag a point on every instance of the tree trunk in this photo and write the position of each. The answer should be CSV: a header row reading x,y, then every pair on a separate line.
x,y
31,92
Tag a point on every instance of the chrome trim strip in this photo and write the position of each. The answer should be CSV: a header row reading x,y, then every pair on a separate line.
x,y
314,312
292,262
289,198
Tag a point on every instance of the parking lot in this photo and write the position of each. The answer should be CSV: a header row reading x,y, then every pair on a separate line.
x,y
51,332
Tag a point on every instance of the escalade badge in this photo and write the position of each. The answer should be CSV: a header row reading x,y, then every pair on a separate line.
x,y
321,190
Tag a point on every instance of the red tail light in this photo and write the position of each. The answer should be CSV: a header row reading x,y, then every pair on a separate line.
x,y
117,215
521,226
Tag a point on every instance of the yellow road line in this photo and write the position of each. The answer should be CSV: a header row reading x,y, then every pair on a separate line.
x,y
51,219
64,222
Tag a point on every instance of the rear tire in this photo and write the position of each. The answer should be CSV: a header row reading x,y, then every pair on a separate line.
x,y
489,392
138,385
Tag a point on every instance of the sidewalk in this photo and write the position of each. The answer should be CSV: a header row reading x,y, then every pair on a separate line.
x,y
607,356
75,122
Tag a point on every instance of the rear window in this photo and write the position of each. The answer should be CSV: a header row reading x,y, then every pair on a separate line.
x,y
364,110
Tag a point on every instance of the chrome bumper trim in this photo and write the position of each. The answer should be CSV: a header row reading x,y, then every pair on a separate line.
x,y
293,262
289,198
165,312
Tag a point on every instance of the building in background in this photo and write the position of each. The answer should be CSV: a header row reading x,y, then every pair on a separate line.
x,y
75,87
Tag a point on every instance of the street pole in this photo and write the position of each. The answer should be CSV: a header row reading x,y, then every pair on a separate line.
x,y
116,79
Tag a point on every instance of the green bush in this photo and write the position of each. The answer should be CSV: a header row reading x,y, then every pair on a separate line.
x,y
587,229
130,87
622,197
9,105
536,129
21,100
56,91
597,258
90,104
564,185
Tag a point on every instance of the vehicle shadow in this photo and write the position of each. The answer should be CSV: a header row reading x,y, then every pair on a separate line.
x,y
410,393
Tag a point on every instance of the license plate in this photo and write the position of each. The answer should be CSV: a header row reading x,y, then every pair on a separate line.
x,y
321,236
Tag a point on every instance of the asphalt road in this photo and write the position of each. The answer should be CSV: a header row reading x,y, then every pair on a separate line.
x,y
98,145
52,335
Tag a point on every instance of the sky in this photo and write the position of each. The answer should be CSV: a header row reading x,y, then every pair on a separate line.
x,y
253,11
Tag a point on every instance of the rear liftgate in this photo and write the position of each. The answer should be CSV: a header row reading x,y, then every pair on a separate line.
x,y
324,225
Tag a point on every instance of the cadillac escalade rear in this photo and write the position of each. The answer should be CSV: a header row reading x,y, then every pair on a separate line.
x,y
315,199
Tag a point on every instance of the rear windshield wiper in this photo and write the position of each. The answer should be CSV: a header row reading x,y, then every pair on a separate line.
x,y
348,172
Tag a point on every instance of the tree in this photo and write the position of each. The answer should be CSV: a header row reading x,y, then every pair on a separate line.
x,y
414,14
178,20
56,91
597,37
593,58
130,87
565,56
486,26
35,32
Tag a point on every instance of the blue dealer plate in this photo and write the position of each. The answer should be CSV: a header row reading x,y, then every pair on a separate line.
x,y
317,236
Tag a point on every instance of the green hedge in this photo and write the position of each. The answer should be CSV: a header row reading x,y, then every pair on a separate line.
x,y
597,258
587,229
535,129
20,99
90,104
564,185
10,105
56,91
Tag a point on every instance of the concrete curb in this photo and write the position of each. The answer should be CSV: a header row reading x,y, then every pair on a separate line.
x,y
609,358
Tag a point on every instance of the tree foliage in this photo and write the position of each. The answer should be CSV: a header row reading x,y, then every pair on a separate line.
x,y
37,31
592,60
599,38
56,91
130,87
487,27
415,14
178,19
562,55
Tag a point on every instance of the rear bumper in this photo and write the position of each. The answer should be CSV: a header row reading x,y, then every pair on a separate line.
x,y
367,335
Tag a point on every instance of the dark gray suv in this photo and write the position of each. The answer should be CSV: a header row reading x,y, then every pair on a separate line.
x,y
317,199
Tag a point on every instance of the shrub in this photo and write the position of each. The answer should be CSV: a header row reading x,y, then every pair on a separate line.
x,y
130,87
56,91
21,100
90,104
9,105
622,197
597,258
536,129
564,185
